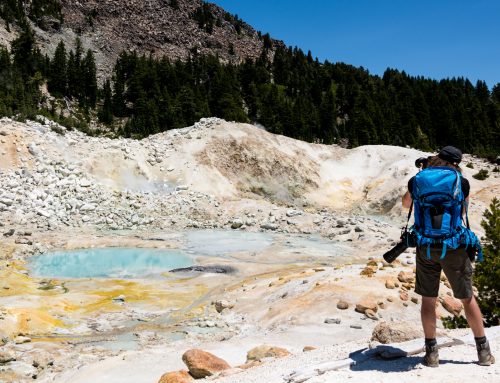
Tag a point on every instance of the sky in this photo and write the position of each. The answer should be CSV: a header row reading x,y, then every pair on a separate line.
x,y
431,38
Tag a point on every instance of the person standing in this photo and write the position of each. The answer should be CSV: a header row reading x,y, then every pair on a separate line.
x,y
446,255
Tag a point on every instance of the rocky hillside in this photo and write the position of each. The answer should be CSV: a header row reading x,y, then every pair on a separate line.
x,y
161,27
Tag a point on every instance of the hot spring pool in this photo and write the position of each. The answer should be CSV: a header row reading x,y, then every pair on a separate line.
x,y
108,263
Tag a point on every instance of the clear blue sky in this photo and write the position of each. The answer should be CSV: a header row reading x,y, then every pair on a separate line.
x,y
433,38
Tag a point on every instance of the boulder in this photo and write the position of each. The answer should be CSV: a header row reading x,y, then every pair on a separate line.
x,y
366,304
396,332
262,352
202,364
176,377
452,305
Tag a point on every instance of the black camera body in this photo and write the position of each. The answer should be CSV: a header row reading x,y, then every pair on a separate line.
x,y
408,239
422,162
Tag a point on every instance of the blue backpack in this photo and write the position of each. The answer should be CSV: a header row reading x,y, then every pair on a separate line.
x,y
438,202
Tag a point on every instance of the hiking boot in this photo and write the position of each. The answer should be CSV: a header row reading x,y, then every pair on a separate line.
x,y
431,358
484,354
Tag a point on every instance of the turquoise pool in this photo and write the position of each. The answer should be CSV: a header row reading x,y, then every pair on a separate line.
x,y
108,263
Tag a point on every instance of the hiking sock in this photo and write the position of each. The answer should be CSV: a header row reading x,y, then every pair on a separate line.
x,y
480,340
431,342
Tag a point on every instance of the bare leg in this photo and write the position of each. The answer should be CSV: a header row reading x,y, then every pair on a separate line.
x,y
473,315
428,315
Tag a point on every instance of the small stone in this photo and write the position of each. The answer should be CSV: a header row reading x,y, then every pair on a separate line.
x,y
389,284
404,296
308,348
23,241
6,357
405,277
371,314
237,223
342,305
356,326
414,300
223,304
21,339
269,226
9,233
332,320
366,304
119,298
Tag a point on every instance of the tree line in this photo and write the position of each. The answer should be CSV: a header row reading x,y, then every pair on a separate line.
x,y
299,97
25,69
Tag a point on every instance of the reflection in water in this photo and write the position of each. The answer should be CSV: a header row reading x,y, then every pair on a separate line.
x,y
108,263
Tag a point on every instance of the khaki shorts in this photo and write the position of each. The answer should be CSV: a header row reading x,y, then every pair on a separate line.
x,y
456,266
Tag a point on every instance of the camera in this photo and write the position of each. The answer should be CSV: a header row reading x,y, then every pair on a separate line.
x,y
408,239
421,162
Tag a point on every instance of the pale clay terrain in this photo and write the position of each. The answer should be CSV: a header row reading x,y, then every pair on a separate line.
x,y
73,191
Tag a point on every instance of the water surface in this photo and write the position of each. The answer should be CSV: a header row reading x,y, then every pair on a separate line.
x,y
108,263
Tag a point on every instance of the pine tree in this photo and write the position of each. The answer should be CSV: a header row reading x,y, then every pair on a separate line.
x,y
89,72
106,112
487,273
58,71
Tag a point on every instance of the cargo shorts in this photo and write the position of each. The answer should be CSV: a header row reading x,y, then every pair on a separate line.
x,y
456,266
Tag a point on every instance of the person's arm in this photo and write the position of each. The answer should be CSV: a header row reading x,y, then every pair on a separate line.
x,y
406,200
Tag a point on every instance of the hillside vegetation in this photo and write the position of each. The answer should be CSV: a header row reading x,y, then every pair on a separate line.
x,y
284,89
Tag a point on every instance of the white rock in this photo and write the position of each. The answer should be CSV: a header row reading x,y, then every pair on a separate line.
x,y
6,201
88,207
44,213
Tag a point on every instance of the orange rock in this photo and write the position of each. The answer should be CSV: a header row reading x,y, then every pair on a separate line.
x,y
202,364
366,304
406,277
176,377
264,351
452,305
404,296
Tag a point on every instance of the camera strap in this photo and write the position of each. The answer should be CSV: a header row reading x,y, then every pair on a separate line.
x,y
409,215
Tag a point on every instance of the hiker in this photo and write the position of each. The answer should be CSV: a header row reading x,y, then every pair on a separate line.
x,y
450,254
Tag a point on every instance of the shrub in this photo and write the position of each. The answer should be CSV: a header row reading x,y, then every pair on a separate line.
x,y
470,166
481,175
487,273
